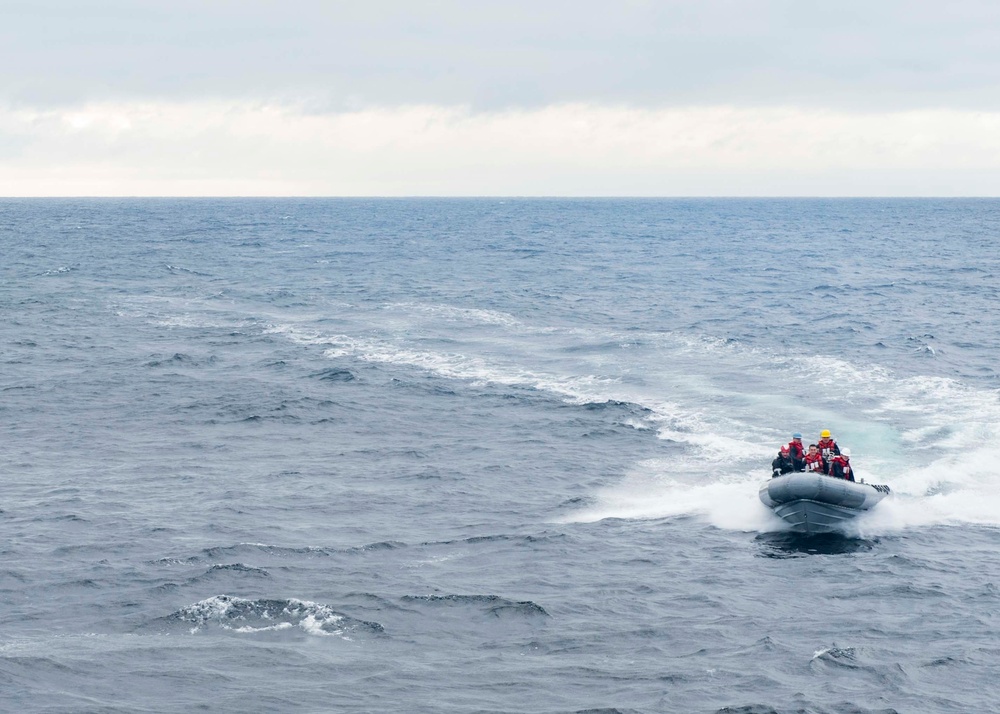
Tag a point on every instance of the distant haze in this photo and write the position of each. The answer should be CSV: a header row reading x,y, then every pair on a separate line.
x,y
511,98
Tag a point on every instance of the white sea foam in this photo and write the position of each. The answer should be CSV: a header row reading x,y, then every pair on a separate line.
x,y
251,616
675,422
662,488
477,369
959,488
451,313
177,312
680,424
267,628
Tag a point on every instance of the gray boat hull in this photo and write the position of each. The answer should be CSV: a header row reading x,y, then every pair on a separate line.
x,y
814,503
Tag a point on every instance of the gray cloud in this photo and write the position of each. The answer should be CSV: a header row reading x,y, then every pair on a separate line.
x,y
849,54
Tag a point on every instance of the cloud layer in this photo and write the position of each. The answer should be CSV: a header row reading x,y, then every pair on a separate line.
x,y
227,148
851,54
448,97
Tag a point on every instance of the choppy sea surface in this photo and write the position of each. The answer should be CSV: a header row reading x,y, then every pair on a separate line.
x,y
494,455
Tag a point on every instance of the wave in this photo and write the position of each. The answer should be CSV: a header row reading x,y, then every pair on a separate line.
x,y
334,374
244,616
491,604
215,553
185,271
179,359
237,568
227,551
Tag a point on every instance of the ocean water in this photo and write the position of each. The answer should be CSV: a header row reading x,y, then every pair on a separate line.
x,y
494,455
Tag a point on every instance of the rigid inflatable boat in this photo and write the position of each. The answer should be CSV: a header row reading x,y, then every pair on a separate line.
x,y
816,503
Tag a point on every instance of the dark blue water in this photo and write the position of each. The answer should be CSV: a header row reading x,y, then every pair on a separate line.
x,y
493,455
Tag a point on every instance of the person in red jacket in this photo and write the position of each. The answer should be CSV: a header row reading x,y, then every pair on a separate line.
x,y
815,464
827,447
840,465
797,451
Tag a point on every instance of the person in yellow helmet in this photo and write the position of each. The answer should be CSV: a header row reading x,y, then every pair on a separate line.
x,y
828,448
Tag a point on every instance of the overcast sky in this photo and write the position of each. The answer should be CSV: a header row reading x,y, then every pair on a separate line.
x,y
300,97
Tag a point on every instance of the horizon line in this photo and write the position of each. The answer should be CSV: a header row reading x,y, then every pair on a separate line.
x,y
595,197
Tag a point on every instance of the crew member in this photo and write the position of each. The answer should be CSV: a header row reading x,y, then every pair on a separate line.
x,y
783,463
797,451
814,461
827,447
840,465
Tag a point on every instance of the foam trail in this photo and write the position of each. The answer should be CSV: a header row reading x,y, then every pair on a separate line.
x,y
705,431
678,423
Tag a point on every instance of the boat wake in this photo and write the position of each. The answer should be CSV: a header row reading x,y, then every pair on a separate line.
x,y
719,407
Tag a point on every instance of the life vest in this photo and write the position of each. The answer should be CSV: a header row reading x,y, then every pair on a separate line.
x,y
814,462
845,468
827,447
796,450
